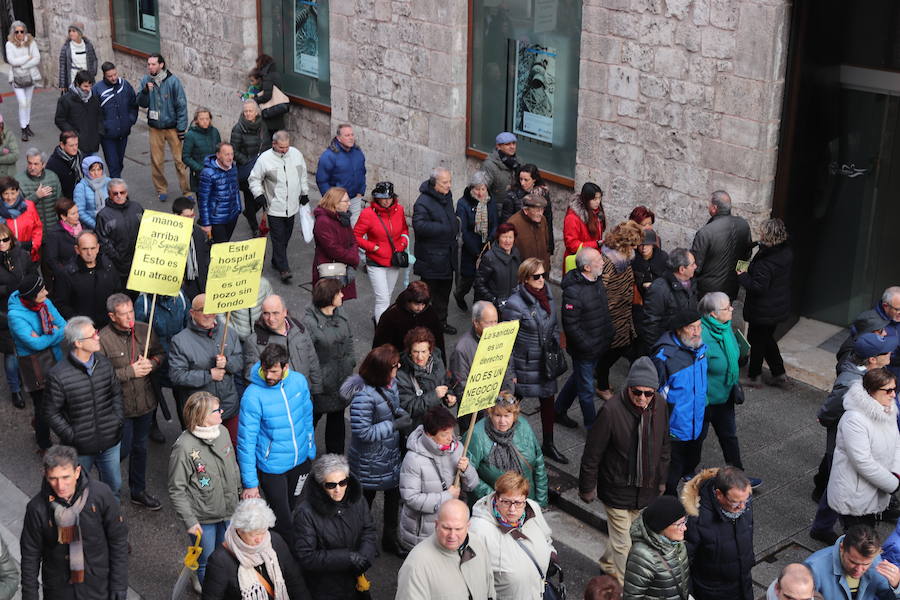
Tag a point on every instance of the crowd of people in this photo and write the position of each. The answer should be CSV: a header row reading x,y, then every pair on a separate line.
x,y
276,517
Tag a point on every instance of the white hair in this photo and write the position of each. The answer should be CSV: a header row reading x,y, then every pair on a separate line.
x,y
253,514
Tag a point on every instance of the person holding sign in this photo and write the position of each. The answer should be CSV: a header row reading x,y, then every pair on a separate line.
x,y
117,226
206,357
503,443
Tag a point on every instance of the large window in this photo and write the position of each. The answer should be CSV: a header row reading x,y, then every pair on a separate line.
x,y
524,78
295,34
136,25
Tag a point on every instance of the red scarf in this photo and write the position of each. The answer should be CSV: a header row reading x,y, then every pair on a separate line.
x,y
43,312
541,295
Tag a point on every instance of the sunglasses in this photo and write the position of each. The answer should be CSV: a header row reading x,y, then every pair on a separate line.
x,y
117,193
890,391
537,276
20,31
644,393
5,239
332,485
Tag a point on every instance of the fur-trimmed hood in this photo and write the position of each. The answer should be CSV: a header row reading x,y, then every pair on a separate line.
x,y
690,493
858,399
577,207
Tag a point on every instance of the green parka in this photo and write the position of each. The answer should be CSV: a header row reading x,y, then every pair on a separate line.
x,y
528,446
333,341
10,156
46,207
198,144
656,567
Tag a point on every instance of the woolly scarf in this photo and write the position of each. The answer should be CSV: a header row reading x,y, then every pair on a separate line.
x,y
82,95
250,557
481,216
13,211
639,457
503,454
43,313
68,527
541,296
101,194
210,432
343,218
510,160
74,230
73,162
159,77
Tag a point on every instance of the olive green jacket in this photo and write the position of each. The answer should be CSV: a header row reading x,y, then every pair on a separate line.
x,y
656,567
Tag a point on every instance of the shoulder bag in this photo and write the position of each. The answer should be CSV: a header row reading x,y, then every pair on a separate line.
x,y
553,361
277,105
551,592
398,258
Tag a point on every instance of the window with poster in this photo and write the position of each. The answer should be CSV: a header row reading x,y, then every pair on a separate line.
x,y
524,78
135,26
295,34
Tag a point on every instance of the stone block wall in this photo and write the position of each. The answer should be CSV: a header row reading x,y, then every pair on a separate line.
x,y
679,98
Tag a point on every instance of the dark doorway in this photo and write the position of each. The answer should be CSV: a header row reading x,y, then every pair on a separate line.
x,y
838,180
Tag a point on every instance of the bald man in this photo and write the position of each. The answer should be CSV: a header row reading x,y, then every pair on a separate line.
x,y
275,325
794,582
197,363
450,564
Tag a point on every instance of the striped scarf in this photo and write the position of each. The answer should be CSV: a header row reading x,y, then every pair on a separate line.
x,y
68,525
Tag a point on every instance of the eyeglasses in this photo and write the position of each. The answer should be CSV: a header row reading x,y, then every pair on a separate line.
x,y
219,410
680,524
729,307
645,393
332,485
890,391
537,276
4,239
93,336
511,503
122,193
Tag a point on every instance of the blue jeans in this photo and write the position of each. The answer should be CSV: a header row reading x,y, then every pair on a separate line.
x,y
107,466
12,372
213,536
114,153
135,435
580,382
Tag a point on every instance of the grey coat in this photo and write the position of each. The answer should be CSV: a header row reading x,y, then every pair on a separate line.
x,y
717,247
536,328
500,177
300,347
192,355
425,476
333,342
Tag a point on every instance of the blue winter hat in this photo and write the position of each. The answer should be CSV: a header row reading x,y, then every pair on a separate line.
x,y
505,138
871,344
90,160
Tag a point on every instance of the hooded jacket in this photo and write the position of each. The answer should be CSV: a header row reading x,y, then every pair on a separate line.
x,y
275,429
342,167
537,328
218,193
426,475
472,243
585,316
374,453
326,532
768,285
720,548
682,383
832,409
515,575
80,290
84,118
199,143
575,228
717,247
122,348
335,242
299,344
84,196
119,105
497,275
657,568
281,179
333,340
436,229
665,297
117,227
526,443
866,456
14,266
167,103
370,232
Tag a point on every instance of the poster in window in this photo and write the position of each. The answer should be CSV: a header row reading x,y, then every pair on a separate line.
x,y
534,91
306,38
147,15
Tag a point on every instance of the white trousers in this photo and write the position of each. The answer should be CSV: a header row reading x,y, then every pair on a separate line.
x,y
23,96
383,280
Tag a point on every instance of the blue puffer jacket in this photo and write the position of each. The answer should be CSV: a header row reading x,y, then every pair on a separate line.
x,y
275,428
169,317
535,327
119,105
374,453
168,101
682,382
343,168
219,194
24,321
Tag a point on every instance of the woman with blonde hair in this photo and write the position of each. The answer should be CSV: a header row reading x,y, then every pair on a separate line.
x,y
24,58
249,138
335,242
200,141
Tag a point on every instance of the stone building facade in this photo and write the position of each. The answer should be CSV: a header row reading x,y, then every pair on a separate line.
x,y
676,97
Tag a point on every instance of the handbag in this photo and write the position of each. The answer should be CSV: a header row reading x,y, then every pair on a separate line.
x,y
398,258
277,105
551,592
22,78
35,368
736,396
553,361
337,270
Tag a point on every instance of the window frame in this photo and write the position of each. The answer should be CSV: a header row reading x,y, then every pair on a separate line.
x,y
120,46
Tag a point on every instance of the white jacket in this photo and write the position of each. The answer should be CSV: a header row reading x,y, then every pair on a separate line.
x,y
281,179
515,576
866,456
24,58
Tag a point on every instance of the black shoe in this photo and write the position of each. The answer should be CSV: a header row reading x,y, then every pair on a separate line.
x,y
286,276
826,537
17,400
449,329
461,302
28,130
156,435
24,135
566,421
146,500
553,454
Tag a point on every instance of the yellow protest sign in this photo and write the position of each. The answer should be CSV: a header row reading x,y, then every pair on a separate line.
x,y
234,272
160,253
488,367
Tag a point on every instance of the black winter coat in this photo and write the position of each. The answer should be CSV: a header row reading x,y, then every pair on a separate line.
x,y
398,320
720,549
79,290
270,78
85,410
117,226
249,139
105,538
717,247
221,579
67,177
498,275
648,271
472,243
85,118
436,229
13,269
665,297
58,248
768,285
326,532
585,316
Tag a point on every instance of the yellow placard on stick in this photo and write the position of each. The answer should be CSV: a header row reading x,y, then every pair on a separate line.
x,y
488,367
160,253
234,272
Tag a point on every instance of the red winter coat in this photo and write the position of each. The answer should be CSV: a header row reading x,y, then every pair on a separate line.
x,y
334,243
370,232
27,228
575,229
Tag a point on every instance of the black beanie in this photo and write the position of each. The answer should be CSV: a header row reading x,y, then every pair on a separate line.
x,y
683,318
31,285
662,512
